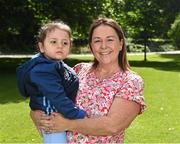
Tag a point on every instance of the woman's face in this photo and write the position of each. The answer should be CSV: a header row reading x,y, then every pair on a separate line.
x,y
106,45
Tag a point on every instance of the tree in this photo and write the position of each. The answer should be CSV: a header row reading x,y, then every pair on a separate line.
x,y
143,20
20,19
76,13
174,32
170,9
18,24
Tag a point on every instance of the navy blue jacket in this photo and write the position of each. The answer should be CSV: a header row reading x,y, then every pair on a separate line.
x,y
51,85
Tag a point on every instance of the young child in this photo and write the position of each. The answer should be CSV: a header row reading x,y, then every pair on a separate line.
x,y
50,83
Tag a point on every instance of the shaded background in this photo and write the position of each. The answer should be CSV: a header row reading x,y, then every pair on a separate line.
x,y
149,25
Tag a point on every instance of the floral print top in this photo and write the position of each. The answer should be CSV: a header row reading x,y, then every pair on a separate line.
x,y
96,96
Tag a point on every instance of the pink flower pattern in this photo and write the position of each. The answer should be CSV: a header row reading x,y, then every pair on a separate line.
x,y
96,96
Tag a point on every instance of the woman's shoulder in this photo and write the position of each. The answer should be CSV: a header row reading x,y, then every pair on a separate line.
x,y
133,88
132,76
81,67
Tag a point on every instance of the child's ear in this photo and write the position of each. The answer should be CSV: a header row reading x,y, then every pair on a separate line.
x,y
71,44
40,45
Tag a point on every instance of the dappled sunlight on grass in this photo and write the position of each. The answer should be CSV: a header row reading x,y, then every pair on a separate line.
x,y
161,62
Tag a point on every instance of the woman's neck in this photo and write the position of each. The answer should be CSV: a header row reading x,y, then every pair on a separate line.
x,y
105,71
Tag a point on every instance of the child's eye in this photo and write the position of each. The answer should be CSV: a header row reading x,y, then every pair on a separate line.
x,y
53,42
65,43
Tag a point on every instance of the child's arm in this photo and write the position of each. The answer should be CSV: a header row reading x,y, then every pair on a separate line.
x,y
49,83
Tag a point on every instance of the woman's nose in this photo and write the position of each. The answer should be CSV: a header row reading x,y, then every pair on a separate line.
x,y
103,44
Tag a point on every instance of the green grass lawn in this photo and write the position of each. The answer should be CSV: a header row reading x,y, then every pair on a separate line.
x,y
159,124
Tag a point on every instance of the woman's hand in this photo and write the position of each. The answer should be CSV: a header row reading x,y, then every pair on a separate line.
x,y
57,123
40,119
54,123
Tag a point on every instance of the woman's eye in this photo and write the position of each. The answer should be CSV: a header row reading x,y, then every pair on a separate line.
x,y
96,41
110,39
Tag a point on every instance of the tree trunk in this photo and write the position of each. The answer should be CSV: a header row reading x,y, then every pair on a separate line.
x,y
145,46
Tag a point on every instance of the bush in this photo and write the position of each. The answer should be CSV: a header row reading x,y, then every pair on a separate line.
x,y
160,45
132,47
174,32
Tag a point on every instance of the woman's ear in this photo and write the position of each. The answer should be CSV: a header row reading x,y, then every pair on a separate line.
x,y
90,47
40,45
121,44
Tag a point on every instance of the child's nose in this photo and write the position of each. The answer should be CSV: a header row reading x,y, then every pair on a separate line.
x,y
60,44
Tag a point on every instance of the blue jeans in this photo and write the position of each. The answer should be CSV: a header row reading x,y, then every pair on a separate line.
x,y
59,137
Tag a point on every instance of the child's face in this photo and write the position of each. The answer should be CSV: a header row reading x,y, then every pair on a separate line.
x,y
56,45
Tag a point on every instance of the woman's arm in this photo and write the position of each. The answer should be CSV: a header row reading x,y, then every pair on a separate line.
x,y
36,118
120,116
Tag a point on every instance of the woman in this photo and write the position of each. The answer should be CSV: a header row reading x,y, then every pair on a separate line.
x,y
110,93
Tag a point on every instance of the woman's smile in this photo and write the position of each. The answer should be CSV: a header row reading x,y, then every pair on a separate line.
x,y
105,53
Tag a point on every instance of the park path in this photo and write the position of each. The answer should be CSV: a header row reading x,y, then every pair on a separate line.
x,y
29,55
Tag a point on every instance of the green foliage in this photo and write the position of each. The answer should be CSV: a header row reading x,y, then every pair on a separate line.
x,y
18,26
143,18
174,32
169,10
20,19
